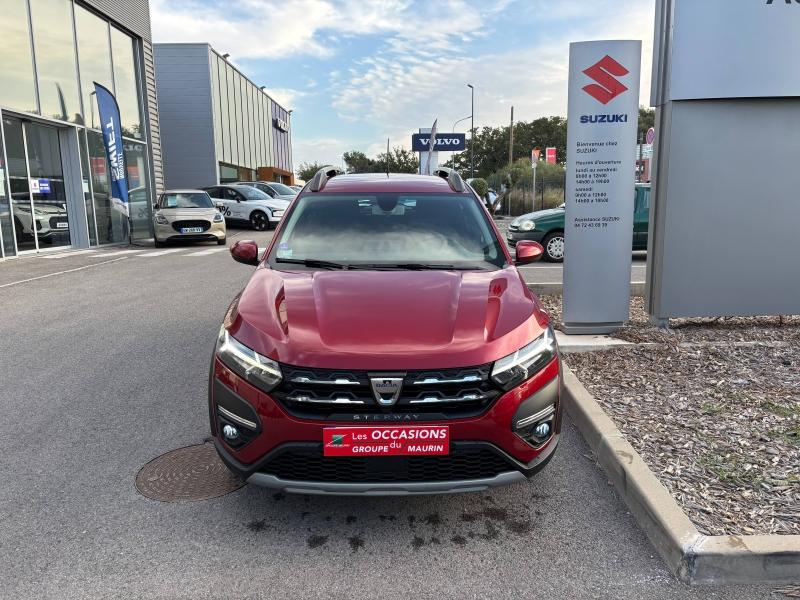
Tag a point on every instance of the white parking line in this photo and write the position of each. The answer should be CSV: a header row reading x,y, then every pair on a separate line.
x,y
206,252
118,253
5,285
67,254
159,253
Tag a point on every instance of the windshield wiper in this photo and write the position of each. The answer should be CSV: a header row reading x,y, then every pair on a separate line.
x,y
416,267
313,262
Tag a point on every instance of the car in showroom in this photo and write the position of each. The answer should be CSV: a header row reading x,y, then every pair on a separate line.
x,y
247,204
187,216
385,344
49,219
547,226
273,189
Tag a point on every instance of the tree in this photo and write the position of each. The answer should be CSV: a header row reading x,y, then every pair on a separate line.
x,y
647,119
491,144
357,162
400,161
480,186
307,170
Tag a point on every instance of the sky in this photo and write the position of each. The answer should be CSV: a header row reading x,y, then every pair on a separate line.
x,y
356,72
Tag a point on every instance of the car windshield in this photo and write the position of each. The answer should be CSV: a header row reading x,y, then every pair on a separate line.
x,y
403,231
283,190
186,200
252,193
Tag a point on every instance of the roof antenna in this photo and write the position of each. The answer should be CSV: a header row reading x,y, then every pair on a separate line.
x,y
387,157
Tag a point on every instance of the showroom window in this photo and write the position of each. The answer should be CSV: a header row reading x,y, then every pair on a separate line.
x,y
56,66
17,89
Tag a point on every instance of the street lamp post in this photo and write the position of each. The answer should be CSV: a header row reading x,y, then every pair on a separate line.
x,y
472,133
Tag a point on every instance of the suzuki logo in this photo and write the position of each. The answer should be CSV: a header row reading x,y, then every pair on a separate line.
x,y
386,389
607,87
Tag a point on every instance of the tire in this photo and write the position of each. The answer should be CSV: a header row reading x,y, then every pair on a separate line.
x,y
159,244
221,242
259,220
553,245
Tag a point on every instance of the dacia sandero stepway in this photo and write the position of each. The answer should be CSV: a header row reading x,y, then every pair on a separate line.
x,y
385,344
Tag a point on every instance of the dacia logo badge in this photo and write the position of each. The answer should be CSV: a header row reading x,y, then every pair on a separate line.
x,y
386,389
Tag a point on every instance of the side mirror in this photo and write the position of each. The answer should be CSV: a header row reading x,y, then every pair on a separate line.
x,y
155,206
220,206
528,252
245,252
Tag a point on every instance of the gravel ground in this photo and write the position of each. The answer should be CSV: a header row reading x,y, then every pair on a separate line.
x,y
713,407
774,330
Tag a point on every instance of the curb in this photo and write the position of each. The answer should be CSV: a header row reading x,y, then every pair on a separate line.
x,y
691,556
556,289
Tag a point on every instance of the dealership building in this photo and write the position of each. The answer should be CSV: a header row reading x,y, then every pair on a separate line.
x,y
217,125
54,176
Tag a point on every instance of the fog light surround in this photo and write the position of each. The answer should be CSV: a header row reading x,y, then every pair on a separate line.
x,y
538,428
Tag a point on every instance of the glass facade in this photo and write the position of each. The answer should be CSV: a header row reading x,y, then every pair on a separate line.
x,y
53,51
17,89
55,60
125,86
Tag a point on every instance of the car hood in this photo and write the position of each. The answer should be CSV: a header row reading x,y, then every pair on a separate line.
x,y
386,320
541,214
286,197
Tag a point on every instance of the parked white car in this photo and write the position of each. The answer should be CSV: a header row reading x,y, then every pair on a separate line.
x,y
244,203
273,189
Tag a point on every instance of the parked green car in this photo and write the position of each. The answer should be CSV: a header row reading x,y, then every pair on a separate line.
x,y
547,226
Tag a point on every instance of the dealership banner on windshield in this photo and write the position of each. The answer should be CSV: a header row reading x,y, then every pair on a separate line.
x,y
112,140
601,167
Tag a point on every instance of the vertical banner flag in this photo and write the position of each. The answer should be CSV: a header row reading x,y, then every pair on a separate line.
x,y
550,155
431,146
601,166
112,139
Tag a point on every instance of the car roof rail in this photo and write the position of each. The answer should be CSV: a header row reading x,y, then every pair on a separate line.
x,y
322,176
452,176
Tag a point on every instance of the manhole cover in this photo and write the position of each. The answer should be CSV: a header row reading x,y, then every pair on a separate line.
x,y
187,475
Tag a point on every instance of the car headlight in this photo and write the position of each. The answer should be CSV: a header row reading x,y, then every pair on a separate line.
x,y
512,370
527,225
218,218
277,213
259,370
161,219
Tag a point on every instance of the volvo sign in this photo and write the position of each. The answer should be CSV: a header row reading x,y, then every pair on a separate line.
x,y
445,142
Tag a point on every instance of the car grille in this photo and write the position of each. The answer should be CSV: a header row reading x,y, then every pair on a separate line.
x,y
178,225
54,221
347,395
465,461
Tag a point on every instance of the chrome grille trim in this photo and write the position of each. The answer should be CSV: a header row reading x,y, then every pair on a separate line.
x,y
436,380
310,381
326,401
441,400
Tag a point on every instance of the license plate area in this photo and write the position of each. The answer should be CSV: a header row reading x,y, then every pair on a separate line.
x,y
424,440
191,230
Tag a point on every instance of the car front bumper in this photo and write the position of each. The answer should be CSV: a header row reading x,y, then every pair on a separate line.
x,y
286,452
167,233
512,237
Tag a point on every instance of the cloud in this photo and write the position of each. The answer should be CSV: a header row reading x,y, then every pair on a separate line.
x,y
286,97
400,91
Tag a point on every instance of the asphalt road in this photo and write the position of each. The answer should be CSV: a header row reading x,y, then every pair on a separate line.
x,y
104,368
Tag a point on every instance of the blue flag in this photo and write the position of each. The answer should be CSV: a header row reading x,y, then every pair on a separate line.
x,y
112,139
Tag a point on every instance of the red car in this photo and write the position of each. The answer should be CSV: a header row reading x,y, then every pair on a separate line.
x,y
385,344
